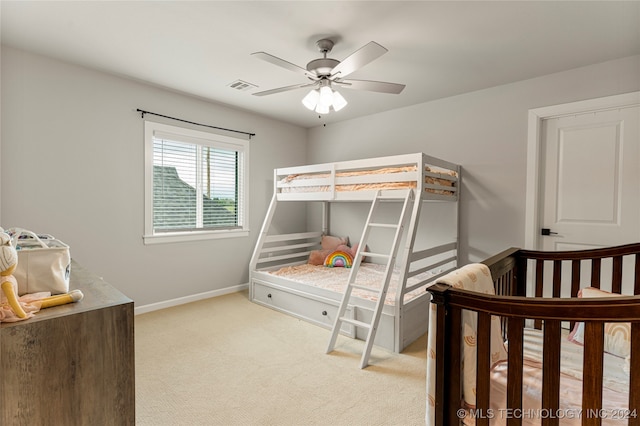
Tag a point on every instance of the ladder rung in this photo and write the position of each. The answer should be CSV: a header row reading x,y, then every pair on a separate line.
x,y
362,287
369,254
384,225
355,322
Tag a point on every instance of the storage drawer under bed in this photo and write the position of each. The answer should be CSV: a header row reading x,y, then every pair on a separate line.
x,y
317,310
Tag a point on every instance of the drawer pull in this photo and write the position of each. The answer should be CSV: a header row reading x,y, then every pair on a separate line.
x,y
269,295
324,313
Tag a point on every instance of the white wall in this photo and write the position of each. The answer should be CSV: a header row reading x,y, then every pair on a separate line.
x,y
72,165
485,132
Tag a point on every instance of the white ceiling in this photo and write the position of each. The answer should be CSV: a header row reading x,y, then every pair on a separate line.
x,y
437,48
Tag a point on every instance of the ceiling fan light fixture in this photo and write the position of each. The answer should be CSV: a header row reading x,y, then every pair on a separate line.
x,y
322,109
326,96
311,100
323,99
339,101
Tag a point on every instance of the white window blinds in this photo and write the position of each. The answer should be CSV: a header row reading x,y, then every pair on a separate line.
x,y
197,184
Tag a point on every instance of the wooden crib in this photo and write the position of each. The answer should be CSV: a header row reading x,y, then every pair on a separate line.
x,y
551,303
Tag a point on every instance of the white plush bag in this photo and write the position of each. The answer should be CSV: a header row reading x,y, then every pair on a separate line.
x,y
44,263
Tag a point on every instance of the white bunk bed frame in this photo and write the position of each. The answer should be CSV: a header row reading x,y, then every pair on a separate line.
x,y
401,323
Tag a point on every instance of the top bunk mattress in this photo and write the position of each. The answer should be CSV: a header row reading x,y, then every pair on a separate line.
x,y
361,178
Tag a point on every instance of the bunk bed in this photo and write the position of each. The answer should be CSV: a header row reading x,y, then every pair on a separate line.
x,y
567,354
282,278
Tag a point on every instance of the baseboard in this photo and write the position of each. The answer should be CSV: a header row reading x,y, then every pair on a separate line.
x,y
188,299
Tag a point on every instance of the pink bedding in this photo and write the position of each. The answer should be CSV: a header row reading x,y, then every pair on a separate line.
x,y
335,279
615,388
370,185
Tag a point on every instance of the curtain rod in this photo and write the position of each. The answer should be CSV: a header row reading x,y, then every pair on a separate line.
x,y
143,112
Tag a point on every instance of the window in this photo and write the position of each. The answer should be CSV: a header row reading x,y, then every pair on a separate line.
x,y
195,184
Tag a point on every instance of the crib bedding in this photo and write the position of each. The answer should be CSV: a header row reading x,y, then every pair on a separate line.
x,y
335,279
395,182
615,387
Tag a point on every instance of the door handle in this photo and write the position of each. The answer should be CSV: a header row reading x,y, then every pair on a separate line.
x,y
547,231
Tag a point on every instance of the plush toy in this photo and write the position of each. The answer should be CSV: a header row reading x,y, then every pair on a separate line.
x,y
339,258
13,308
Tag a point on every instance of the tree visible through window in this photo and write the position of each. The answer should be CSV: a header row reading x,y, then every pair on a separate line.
x,y
197,183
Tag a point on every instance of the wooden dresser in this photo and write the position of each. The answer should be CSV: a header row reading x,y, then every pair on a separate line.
x,y
71,364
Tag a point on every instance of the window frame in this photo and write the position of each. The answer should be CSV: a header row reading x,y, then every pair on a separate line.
x,y
201,138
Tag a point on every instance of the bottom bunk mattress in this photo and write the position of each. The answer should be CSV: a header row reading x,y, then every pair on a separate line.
x,y
615,388
369,275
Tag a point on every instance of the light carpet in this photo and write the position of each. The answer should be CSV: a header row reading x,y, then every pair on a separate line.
x,y
227,361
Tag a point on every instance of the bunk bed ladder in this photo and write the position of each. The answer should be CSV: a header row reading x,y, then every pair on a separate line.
x,y
382,291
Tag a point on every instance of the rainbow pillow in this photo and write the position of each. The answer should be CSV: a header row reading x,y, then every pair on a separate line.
x,y
339,259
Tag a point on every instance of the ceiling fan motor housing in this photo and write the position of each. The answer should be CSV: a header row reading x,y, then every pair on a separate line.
x,y
322,66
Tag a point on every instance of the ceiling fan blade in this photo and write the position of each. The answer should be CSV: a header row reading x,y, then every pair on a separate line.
x,y
284,64
283,89
372,86
358,59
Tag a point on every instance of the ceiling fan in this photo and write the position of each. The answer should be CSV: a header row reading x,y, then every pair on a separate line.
x,y
325,73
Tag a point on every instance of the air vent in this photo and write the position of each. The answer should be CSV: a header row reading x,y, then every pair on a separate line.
x,y
242,86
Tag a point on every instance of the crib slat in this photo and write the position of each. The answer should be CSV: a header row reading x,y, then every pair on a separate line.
x,y
575,278
595,273
634,376
557,277
551,371
593,362
504,287
539,277
575,282
636,285
539,286
616,285
514,372
483,384
520,278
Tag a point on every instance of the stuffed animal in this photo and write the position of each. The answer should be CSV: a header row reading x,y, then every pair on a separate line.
x,y
13,308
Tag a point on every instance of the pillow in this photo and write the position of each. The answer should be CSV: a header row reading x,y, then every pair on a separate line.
x,y
352,250
331,243
627,364
617,335
339,258
317,257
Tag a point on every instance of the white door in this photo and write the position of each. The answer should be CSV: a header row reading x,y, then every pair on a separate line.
x,y
590,189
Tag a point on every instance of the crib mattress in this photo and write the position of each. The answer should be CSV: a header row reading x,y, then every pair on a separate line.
x,y
615,387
